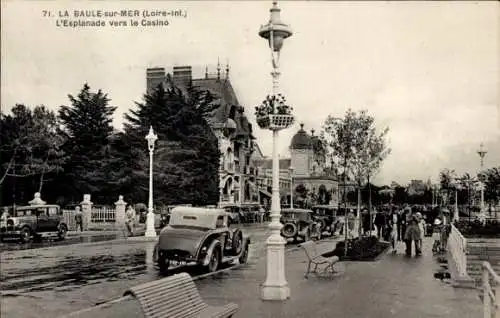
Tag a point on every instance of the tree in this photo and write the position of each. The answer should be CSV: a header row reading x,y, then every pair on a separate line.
x,y
447,183
400,195
357,144
87,127
186,155
30,146
491,179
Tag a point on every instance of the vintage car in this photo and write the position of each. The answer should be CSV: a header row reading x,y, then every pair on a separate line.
x,y
326,216
298,223
201,236
34,222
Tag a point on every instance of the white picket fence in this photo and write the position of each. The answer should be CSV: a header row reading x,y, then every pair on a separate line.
x,y
102,215
101,218
69,219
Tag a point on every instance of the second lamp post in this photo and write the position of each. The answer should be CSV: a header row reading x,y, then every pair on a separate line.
x,y
150,221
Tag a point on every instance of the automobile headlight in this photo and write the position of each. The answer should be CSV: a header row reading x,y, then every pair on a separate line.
x,y
12,222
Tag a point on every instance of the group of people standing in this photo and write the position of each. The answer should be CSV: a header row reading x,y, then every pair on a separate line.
x,y
401,224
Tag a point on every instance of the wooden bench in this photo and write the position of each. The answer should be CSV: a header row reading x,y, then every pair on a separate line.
x,y
176,297
314,258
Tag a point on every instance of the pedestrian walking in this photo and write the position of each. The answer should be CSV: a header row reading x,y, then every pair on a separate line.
x,y
79,218
445,227
393,227
421,227
401,232
412,235
130,220
436,236
380,222
350,223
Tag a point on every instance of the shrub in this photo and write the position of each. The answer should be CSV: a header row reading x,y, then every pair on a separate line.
x,y
475,228
358,249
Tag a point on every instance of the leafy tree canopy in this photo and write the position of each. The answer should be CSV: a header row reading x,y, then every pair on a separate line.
x,y
30,144
356,143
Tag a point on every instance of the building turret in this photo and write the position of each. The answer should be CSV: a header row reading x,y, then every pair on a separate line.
x,y
301,150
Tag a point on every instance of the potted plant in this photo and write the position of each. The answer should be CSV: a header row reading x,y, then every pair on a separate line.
x,y
274,113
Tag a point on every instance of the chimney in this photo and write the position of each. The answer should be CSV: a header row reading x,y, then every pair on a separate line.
x,y
154,77
182,75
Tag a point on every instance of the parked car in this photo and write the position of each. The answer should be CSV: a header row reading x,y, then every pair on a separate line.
x,y
298,223
326,216
203,236
34,222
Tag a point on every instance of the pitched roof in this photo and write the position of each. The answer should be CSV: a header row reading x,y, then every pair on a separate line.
x,y
230,106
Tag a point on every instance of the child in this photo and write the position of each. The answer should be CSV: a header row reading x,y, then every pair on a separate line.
x,y
436,236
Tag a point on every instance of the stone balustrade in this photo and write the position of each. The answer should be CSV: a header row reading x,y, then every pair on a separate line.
x,y
491,292
457,245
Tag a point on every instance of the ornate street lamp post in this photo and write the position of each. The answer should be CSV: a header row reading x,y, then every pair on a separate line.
x,y
456,216
150,222
481,152
274,114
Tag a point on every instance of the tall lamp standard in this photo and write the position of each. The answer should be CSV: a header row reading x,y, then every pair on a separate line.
x,y
275,115
291,186
456,216
150,222
482,152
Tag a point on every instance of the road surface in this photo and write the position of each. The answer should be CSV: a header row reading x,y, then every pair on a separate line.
x,y
55,280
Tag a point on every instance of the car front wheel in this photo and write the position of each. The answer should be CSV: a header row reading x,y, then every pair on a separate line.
x,y
63,230
237,243
244,256
25,234
213,265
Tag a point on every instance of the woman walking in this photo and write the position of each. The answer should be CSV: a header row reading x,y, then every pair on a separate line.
x,y
421,227
412,234
394,230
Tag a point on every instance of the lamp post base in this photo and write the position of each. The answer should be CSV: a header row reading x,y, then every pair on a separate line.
x,y
150,225
275,287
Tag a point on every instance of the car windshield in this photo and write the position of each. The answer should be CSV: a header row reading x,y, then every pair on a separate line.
x,y
290,215
193,220
28,212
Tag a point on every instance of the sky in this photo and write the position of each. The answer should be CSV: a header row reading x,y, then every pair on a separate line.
x,y
429,71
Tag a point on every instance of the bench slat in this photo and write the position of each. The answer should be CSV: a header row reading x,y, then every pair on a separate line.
x,y
176,297
219,312
188,312
160,284
187,300
172,290
184,311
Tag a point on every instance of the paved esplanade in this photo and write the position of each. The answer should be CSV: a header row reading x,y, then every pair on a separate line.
x,y
394,286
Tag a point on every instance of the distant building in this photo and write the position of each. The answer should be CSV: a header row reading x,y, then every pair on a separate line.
x,y
237,173
416,187
308,172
